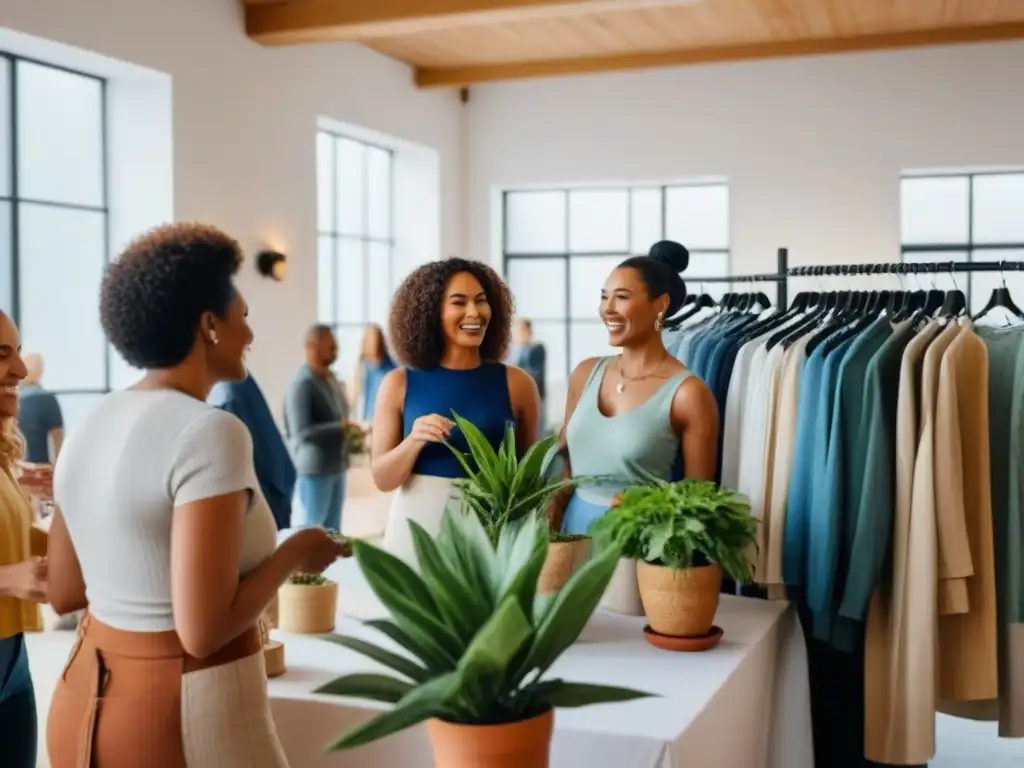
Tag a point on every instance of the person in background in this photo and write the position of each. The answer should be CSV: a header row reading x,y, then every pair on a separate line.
x,y
22,566
531,356
274,467
316,416
160,513
374,364
450,327
39,418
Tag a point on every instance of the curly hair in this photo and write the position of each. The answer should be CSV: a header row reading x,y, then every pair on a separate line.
x,y
154,294
415,323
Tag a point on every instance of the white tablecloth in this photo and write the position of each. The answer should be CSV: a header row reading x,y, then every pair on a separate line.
x,y
744,704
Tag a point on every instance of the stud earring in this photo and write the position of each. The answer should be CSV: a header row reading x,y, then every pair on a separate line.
x,y
213,338
658,321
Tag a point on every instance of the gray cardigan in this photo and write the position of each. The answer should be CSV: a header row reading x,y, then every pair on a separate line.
x,y
314,410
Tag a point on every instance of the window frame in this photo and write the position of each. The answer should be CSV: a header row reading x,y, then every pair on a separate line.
x,y
15,200
364,239
566,256
969,247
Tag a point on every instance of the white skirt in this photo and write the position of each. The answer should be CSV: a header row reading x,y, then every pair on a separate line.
x,y
226,720
423,499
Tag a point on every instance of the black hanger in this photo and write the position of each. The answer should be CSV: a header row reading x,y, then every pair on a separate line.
x,y
955,302
1001,299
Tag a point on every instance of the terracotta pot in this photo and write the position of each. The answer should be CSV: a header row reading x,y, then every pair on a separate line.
x,y
525,744
680,603
306,609
564,557
622,594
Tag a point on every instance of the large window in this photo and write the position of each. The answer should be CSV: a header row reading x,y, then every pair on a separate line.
x,y
53,223
559,246
356,244
965,217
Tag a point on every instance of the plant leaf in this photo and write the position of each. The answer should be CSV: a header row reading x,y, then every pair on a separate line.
x,y
422,703
461,606
558,693
406,596
572,607
367,686
417,642
393,661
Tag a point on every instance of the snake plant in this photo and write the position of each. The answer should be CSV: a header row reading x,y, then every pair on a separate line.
x,y
682,525
500,487
477,639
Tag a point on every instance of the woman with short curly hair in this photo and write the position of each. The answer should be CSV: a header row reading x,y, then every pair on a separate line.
x,y
160,513
450,328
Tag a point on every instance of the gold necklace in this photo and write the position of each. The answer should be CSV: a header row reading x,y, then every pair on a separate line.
x,y
620,387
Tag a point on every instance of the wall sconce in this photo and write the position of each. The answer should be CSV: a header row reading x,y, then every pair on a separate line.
x,y
272,264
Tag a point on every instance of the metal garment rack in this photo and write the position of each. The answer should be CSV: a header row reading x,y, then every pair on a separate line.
x,y
906,268
780,276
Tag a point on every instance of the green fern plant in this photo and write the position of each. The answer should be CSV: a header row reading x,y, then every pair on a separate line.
x,y
476,638
499,487
682,525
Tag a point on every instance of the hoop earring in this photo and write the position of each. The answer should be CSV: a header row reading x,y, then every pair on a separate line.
x,y
658,321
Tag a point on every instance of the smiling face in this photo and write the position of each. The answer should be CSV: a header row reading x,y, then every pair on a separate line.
x,y
627,310
465,311
234,336
12,367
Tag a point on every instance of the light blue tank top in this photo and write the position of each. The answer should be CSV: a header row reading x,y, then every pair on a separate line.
x,y
636,446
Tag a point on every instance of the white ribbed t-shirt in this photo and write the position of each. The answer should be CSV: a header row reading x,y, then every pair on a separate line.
x,y
120,475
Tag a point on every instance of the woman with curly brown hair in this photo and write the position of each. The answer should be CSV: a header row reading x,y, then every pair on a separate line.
x,y
161,514
450,327
22,568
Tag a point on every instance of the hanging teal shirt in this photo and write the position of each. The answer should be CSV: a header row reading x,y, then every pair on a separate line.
x,y
872,519
840,484
798,503
1006,432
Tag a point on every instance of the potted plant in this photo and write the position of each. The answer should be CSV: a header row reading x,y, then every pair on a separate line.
x,y
478,640
500,488
306,604
683,535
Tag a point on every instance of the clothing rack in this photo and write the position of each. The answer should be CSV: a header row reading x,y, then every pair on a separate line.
x,y
905,268
779,276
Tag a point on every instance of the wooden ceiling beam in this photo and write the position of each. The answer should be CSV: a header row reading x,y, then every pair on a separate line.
x,y
308,21
449,77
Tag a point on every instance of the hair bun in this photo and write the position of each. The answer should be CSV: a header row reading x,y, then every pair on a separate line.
x,y
670,253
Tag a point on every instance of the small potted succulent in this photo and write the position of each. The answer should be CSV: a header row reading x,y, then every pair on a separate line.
x,y
500,488
271,617
477,640
306,604
683,535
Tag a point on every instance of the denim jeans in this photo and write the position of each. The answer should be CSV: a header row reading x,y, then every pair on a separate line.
x,y
18,725
320,500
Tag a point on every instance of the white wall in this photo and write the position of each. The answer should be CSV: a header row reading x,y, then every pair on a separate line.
x,y
244,134
812,147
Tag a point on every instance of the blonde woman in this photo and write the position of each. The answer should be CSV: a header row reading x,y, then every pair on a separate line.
x,y
22,566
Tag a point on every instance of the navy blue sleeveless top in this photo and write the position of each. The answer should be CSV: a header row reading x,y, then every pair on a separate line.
x,y
479,395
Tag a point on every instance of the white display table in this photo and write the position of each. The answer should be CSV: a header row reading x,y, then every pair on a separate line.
x,y
744,704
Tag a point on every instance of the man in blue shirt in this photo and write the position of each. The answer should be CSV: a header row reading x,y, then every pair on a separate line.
x,y
274,468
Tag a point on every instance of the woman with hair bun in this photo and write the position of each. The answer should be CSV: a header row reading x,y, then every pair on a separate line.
x,y
628,416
